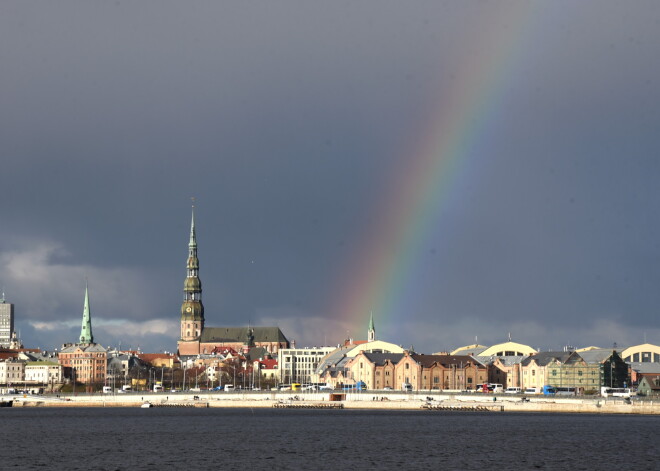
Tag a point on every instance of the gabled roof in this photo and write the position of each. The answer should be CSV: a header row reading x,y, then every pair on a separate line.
x,y
240,334
445,360
651,383
379,359
332,359
268,363
597,355
224,351
256,352
84,347
544,358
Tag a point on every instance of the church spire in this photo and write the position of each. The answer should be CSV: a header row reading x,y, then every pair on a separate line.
x,y
86,329
192,310
371,332
193,238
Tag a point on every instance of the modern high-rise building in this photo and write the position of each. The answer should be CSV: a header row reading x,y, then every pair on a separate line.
x,y
6,322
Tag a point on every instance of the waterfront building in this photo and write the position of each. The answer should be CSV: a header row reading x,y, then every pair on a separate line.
x,y
298,364
641,370
612,370
6,322
535,369
43,372
644,353
331,365
426,372
504,370
649,386
86,360
12,372
586,371
195,337
376,370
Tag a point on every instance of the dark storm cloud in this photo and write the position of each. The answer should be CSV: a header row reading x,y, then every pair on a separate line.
x,y
285,120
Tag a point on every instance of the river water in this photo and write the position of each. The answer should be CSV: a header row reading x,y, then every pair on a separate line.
x,y
255,439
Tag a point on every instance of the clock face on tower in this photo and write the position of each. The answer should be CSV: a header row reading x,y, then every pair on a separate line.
x,y
188,309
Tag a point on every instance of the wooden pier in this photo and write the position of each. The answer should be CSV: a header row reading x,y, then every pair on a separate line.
x,y
308,405
462,408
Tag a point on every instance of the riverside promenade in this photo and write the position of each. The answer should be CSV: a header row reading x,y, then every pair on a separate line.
x,y
377,400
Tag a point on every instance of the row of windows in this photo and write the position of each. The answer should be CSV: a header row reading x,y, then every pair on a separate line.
x,y
644,357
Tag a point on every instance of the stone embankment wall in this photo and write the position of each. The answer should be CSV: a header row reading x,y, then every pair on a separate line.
x,y
366,400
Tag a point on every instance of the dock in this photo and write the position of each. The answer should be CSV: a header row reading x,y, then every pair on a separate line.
x,y
308,405
462,408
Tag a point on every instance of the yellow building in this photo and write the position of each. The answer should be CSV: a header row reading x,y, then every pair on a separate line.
x,y
508,349
644,353
471,350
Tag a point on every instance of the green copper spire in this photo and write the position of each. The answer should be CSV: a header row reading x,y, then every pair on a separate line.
x,y
371,332
86,330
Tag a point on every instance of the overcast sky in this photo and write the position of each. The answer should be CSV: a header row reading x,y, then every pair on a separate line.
x,y
297,127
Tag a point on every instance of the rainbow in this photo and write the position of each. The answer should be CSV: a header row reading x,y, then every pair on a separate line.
x,y
386,257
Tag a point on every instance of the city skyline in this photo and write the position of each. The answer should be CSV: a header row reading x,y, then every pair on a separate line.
x,y
458,170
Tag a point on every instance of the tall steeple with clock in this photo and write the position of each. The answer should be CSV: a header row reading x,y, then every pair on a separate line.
x,y
192,310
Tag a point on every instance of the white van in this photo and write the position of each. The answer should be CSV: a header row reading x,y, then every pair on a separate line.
x,y
495,388
107,389
533,391
513,390
229,387
406,387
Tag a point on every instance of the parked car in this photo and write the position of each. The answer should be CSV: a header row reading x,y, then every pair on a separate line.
x,y
513,390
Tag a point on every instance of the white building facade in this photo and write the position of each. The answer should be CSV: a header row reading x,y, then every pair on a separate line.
x,y
298,364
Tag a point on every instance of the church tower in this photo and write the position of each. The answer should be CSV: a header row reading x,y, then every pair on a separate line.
x,y
86,335
371,332
192,310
